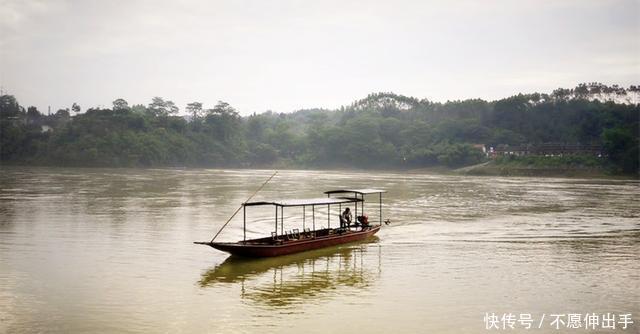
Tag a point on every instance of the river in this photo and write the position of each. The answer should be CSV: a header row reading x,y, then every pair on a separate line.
x,y
111,250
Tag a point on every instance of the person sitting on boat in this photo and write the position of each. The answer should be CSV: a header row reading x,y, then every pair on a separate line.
x,y
363,220
345,218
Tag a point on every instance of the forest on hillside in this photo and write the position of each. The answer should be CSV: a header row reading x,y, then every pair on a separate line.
x,y
383,130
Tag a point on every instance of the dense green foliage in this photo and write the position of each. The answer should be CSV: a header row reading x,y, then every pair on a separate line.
x,y
384,130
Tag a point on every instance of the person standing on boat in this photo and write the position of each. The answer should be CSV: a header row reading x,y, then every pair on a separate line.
x,y
346,218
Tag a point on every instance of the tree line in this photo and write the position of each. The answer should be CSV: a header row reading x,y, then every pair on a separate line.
x,y
383,130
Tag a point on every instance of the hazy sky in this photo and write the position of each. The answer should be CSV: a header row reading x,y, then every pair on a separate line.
x,y
287,55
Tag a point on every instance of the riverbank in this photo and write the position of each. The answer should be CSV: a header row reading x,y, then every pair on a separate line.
x,y
489,168
492,169
571,166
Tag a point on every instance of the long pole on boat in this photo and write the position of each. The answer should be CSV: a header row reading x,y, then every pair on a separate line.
x,y
241,206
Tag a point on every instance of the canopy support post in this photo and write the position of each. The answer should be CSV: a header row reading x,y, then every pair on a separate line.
x,y
304,215
313,213
244,223
329,215
282,220
356,204
380,209
276,222
362,197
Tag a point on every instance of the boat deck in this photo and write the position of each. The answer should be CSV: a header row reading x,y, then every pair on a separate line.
x,y
293,237
288,244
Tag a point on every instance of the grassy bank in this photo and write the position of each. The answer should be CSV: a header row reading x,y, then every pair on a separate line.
x,y
556,166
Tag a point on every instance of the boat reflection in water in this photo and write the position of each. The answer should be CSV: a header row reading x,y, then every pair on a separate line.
x,y
310,276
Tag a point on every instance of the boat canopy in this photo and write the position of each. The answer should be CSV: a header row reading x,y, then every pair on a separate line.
x,y
357,191
307,201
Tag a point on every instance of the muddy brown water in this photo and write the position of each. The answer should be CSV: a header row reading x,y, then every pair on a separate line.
x,y
110,250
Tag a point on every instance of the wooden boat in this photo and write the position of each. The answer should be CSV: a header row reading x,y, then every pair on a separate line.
x,y
295,241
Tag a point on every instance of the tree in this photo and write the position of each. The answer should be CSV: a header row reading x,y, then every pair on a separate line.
x,y
172,108
9,106
120,105
63,113
622,148
223,108
255,127
33,115
224,121
195,110
161,108
262,153
139,109
75,108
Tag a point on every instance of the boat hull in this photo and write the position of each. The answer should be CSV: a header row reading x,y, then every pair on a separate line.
x,y
248,249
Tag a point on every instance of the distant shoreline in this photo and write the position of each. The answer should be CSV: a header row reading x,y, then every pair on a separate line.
x,y
484,169
493,169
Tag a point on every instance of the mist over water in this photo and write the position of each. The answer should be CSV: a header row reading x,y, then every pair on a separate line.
x,y
110,250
